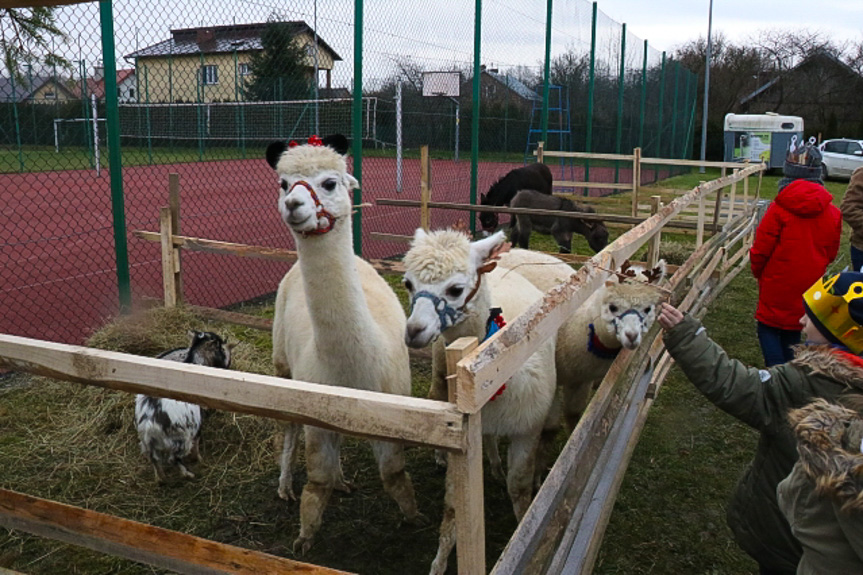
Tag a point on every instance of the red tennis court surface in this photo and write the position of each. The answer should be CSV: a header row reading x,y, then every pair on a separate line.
x,y
58,277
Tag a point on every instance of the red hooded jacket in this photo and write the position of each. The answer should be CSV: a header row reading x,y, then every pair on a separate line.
x,y
795,241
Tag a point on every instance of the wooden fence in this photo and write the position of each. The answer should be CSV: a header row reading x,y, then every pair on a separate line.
x,y
563,527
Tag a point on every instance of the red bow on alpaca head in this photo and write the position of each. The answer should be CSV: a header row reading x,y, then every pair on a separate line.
x,y
313,141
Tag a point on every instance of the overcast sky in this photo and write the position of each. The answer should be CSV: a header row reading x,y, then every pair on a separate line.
x,y
668,23
438,35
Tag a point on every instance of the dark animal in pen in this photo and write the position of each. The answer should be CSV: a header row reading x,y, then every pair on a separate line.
x,y
561,228
531,177
170,430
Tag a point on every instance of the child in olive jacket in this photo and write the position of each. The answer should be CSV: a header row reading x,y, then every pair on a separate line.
x,y
762,398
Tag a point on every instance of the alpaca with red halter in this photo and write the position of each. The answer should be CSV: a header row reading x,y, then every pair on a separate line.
x,y
336,322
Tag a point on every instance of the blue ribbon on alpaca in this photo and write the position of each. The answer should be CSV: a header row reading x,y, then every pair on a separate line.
x,y
446,313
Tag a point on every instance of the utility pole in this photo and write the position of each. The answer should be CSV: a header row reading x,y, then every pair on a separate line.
x,y
706,87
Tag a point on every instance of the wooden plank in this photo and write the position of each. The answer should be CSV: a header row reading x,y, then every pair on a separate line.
x,y
168,268
352,411
155,546
588,156
598,185
174,204
385,237
454,353
693,163
226,248
464,474
255,322
425,188
731,197
654,244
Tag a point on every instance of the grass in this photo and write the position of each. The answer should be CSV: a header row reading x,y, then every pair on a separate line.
x,y
77,444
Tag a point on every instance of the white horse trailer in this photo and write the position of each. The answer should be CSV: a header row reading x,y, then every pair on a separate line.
x,y
760,137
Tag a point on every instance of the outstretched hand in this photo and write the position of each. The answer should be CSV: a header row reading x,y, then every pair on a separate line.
x,y
669,316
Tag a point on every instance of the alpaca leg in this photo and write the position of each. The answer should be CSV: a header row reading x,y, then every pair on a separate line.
x,y
397,481
446,540
290,443
342,484
564,241
576,396
489,445
322,463
519,480
545,450
524,229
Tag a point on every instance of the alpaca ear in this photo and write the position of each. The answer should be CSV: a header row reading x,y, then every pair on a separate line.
x,y
419,235
351,182
337,142
274,152
480,250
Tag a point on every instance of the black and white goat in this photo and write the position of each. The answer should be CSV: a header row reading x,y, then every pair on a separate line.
x,y
170,430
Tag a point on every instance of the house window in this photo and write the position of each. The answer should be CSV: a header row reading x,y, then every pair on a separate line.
x,y
50,96
209,75
131,92
245,70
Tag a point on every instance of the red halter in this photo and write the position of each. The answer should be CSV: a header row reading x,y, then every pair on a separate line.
x,y
320,211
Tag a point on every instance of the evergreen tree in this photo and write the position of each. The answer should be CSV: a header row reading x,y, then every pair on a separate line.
x,y
26,38
280,70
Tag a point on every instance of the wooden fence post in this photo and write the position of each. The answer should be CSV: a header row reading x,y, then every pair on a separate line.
x,y
425,188
636,180
653,246
174,204
746,194
699,231
732,197
169,262
464,473
540,147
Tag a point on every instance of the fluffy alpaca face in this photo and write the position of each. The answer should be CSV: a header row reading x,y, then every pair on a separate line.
x,y
310,204
628,311
314,184
442,271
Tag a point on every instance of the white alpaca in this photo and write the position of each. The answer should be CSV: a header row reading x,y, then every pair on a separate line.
x,y
452,296
337,322
615,316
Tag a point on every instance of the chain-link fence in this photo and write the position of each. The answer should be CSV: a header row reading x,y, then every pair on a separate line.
x,y
203,87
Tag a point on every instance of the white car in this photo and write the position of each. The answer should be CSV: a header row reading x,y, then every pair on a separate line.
x,y
840,157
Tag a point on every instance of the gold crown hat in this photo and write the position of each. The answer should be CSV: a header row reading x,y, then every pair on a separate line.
x,y
835,306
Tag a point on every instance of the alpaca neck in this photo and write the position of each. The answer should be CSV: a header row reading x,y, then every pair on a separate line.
x,y
334,291
607,338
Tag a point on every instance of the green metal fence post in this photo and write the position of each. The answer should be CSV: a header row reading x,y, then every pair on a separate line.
x,y
643,98
685,106
32,107
112,114
661,107
546,72
474,121
147,116
673,149
85,109
620,99
170,98
588,139
17,122
198,109
358,124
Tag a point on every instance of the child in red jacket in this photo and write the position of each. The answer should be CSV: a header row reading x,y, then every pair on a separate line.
x,y
795,241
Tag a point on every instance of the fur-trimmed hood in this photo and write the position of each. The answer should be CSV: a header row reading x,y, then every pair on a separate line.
x,y
828,441
834,363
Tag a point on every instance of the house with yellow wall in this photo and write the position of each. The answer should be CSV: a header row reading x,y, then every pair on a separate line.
x,y
212,63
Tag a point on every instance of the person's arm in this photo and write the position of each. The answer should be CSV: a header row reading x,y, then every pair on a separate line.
x,y
766,238
760,398
851,524
852,203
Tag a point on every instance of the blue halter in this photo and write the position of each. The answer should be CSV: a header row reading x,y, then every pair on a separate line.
x,y
445,312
